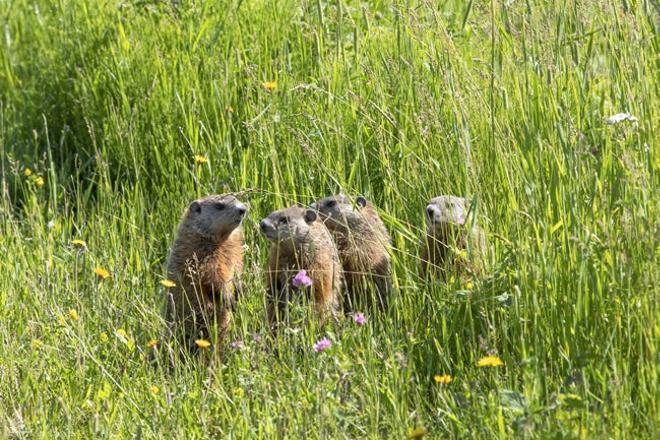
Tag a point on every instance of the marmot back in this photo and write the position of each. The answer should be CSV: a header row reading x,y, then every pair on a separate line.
x,y
205,263
301,242
362,241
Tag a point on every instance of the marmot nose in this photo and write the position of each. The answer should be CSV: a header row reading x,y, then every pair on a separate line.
x,y
263,225
429,211
241,210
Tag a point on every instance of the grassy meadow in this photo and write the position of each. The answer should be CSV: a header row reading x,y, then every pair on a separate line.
x,y
114,115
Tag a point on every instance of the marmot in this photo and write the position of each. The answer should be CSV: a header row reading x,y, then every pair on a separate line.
x,y
362,241
451,244
205,263
301,242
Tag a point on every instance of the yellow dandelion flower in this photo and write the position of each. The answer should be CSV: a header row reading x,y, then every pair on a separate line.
x,y
154,389
73,314
416,433
469,285
104,392
125,339
152,343
79,244
490,361
199,159
36,344
270,85
202,343
167,283
104,337
39,181
101,273
239,392
443,379
27,172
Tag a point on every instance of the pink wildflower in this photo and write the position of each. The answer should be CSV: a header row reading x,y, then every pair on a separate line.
x,y
301,280
322,345
360,319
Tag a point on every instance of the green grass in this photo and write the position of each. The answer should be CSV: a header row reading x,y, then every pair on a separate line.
x,y
400,101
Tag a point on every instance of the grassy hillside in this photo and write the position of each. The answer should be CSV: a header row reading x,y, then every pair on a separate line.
x,y
104,107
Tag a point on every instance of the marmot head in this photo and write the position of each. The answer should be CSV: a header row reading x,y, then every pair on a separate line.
x,y
288,225
339,211
215,216
443,211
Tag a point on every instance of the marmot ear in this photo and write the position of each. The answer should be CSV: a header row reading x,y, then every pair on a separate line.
x,y
361,201
195,207
310,216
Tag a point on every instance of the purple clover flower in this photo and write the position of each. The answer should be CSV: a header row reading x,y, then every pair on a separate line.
x,y
301,280
322,345
360,319
237,345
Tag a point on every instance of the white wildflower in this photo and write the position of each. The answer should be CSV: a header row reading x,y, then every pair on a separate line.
x,y
615,119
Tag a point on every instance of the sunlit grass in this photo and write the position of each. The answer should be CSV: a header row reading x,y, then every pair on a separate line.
x,y
114,115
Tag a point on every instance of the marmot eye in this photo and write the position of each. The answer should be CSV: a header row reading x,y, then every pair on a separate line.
x,y
284,220
220,206
331,204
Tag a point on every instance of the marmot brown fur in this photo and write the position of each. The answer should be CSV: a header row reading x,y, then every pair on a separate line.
x,y
362,241
205,262
451,244
301,242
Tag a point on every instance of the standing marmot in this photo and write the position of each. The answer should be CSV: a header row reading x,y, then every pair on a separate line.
x,y
451,244
205,262
301,242
362,241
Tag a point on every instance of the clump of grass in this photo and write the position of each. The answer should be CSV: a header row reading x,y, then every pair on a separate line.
x,y
124,111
